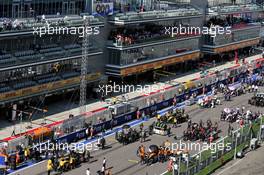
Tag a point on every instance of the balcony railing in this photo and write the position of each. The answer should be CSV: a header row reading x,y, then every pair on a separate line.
x,y
138,55
154,15
227,9
144,40
239,33
28,24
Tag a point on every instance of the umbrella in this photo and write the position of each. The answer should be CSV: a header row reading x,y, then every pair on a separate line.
x,y
254,77
153,148
234,86
258,78
227,110
125,127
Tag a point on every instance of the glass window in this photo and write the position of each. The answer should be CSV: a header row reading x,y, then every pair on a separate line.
x,y
153,52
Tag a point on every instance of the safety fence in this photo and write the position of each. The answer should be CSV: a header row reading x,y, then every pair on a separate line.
x,y
80,122
225,149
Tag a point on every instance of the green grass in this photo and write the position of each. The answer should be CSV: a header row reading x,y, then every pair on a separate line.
x,y
218,163
229,156
225,158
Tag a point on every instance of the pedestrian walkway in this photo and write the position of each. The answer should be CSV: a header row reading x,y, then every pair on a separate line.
x,y
50,120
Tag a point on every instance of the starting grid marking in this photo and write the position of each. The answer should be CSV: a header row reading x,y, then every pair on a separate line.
x,y
133,161
112,139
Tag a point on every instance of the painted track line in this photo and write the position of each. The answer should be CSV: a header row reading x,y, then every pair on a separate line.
x,y
221,172
15,172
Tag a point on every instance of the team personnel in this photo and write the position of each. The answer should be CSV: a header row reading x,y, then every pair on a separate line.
x,y
104,162
88,171
49,166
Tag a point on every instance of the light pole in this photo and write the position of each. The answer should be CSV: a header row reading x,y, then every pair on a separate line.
x,y
200,159
187,164
237,135
260,127
173,168
223,151
179,169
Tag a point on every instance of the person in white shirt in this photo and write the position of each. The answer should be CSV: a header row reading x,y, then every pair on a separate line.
x,y
88,171
103,170
175,167
248,114
256,88
104,163
87,133
252,88
243,110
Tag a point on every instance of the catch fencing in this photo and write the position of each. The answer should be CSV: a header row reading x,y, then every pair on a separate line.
x,y
225,149
80,122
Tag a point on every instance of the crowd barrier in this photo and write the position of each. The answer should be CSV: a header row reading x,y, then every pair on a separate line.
x,y
12,144
73,124
104,115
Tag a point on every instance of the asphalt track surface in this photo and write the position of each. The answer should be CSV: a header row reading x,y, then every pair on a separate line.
x,y
122,160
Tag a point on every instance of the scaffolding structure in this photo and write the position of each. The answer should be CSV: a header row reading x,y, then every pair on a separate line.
x,y
84,65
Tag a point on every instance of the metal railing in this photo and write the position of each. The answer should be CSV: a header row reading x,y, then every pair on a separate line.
x,y
134,16
249,32
24,24
231,144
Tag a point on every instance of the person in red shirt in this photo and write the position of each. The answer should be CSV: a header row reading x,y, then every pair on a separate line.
x,y
211,139
174,102
138,114
241,123
170,164
17,158
91,132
